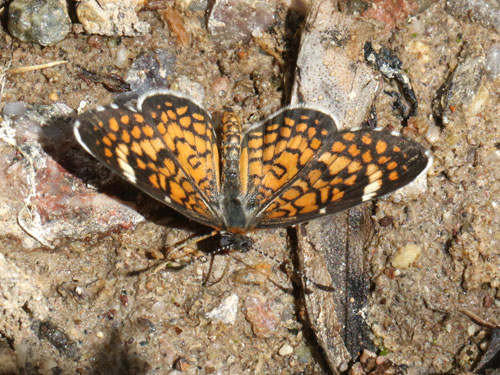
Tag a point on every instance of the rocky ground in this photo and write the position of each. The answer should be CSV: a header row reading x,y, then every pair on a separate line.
x,y
77,243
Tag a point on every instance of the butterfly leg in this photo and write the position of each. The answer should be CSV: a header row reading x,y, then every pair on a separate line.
x,y
187,243
210,271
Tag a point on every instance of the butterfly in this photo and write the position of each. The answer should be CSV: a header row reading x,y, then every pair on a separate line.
x,y
290,168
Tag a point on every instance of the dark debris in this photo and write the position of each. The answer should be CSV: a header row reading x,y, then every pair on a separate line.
x,y
387,63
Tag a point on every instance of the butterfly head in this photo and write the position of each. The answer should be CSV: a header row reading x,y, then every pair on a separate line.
x,y
235,241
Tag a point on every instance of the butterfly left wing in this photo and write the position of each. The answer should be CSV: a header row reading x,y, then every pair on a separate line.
x,y
347,169
166,147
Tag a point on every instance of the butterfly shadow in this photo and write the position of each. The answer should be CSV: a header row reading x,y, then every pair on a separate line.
x,y
114,358
57,140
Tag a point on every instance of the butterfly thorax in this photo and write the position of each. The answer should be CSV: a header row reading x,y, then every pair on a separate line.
x,y
234,213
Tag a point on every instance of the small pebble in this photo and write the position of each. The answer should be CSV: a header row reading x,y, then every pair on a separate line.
x,y
478,102
235,21
492,64
285,350
122,56
390,272
433,134
471,329
406,255
181,364
95,41
226,311
150,70
42,22
112,18
304,354
220,86
386,221
487,301
175,23
261,315
53,96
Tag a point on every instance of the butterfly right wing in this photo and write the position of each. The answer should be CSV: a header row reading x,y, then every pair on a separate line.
x,y
296,166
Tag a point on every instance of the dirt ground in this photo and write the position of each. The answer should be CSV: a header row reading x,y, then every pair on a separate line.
x,y
76,294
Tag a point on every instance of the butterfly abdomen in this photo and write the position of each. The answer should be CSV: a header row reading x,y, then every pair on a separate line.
x,y
231,154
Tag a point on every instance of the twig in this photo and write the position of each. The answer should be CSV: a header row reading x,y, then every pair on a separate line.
x,y
478,319
30,68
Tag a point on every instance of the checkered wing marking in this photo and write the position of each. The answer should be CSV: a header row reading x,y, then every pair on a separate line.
x,y
352,167
167,148
275,152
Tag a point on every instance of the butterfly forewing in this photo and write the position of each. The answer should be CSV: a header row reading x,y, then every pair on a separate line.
x,y
166,147
276,151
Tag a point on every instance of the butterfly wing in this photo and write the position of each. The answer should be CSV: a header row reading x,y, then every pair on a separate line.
x,y
166,147
315,170
275,151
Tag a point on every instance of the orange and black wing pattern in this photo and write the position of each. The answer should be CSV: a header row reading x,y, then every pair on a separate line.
x,y
291,168
274,152
300,167
166,146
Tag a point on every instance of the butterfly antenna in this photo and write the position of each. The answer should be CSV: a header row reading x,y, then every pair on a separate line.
x,y
299,273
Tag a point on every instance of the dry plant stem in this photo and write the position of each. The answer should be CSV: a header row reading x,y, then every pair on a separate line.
x,y
24,69
476,318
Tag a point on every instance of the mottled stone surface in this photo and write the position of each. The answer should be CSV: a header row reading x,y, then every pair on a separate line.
x,y
41,195
330,73
233,21
151,70
111,17
485,12
44,22
463,84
